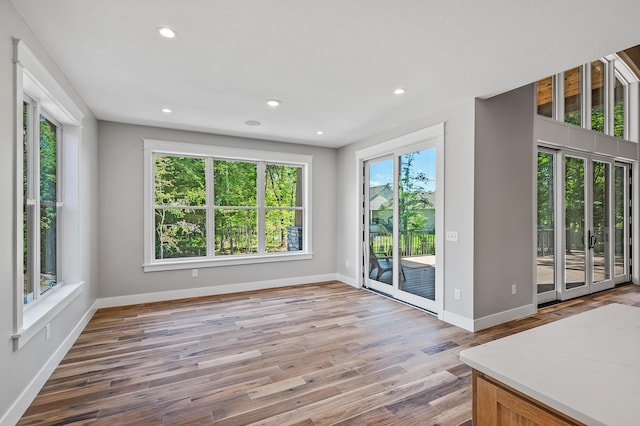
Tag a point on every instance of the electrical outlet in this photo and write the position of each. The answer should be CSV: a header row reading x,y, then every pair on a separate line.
x,y
194,273
513,289
452,236
47,331
456,294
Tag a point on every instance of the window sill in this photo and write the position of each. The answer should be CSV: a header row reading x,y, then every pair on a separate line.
x,y
175,264
44,311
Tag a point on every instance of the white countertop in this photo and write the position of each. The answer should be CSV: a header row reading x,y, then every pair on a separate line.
x,y
586,366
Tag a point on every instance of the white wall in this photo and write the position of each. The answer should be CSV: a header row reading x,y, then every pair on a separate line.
x,y
18,369
121,222
504,207
458,210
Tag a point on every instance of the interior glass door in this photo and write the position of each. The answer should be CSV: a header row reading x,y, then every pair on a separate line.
x,y
379,205
598,237
575,221
546,227
621,218
401,204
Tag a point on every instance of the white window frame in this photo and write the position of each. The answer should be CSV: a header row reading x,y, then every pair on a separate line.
x,y
614,67
34,83
153,147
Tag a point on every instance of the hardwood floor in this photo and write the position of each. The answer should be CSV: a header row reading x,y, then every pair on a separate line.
x,y
321,354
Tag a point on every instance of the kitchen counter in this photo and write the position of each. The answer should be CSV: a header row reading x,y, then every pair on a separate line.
x,y
586,366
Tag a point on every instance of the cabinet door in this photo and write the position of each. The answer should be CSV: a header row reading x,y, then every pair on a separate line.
x,y
495,405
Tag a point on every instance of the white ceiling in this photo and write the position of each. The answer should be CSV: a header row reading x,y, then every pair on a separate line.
x,y
333,63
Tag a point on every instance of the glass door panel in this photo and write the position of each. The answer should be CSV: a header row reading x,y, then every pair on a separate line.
x,y
575,222
380,207
417,223
599,235
546,253
621,224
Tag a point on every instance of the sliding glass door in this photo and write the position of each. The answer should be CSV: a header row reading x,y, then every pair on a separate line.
x,y
582,200
401,232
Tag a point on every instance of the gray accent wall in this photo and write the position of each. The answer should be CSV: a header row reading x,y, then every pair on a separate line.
x,y
504,202
18,369
121,215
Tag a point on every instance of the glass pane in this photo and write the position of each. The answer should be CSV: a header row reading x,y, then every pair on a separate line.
x,y
620,238
381,221
282,232
48,252
597,96
546,223
236,232
234,183
574,222
179,181
28,287
417,215
600,237
283,186
180,233
618,109
545,97
572,98
48,160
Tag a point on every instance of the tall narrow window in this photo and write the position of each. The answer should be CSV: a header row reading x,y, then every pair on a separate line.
x,y
572,96
597,96
619,109
41,202
545,97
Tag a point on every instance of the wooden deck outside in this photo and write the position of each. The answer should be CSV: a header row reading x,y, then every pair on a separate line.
x,y
321,354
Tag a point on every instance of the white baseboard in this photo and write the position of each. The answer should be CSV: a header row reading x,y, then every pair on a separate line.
x,y
457,320
25,399
502,317
134,299
348,280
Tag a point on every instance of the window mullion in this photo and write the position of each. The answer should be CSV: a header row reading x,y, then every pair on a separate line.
x,y
260,182
210,200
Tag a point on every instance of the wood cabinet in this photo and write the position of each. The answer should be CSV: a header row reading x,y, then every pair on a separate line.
x,y
497,404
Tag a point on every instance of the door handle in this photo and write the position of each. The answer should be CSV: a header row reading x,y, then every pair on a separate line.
x,y
592,240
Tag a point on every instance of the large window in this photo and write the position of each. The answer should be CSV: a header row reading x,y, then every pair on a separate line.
x,y
216,206
42,206
595,96
47,252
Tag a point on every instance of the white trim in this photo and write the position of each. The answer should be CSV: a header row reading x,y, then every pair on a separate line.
x,y
458,320
394,144
175,264
27,396
504,316
348,280
134,299
44,311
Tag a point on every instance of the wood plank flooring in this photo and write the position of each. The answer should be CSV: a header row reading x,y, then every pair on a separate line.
x,y
320,354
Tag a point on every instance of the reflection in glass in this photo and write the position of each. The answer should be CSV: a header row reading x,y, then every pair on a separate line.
x,y
574,222
619,109
572,96
619,239
600,236
597,96
180,233
381,199
546,223
236,231
545,97
416,210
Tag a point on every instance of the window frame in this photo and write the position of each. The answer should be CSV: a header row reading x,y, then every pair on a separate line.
x,y
34,83
153,147
34,198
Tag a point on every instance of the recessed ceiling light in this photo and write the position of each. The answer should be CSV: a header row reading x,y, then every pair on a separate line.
x,y
167,32
166,110
252,123
319,132
399,91
273,102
